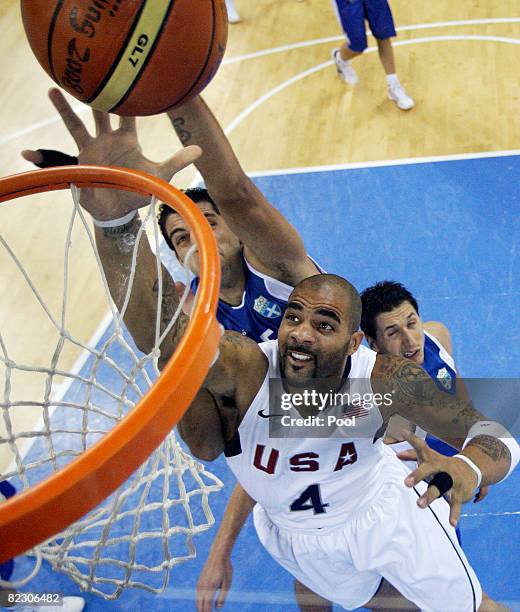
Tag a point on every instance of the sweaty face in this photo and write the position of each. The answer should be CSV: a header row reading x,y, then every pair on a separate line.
x,y
228,244
315,337
400,332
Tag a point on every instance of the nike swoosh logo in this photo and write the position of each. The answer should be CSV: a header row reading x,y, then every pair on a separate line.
x,y
268,416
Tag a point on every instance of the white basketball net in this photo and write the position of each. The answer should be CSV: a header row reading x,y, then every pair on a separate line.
x,y
146,527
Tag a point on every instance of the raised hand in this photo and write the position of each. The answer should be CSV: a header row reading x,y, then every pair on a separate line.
x,y
411,455
432,463
115,147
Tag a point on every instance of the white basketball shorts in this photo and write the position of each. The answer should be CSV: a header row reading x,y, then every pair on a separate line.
x,y
414,549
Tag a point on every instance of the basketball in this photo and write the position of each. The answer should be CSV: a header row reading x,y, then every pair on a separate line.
x,y
129,57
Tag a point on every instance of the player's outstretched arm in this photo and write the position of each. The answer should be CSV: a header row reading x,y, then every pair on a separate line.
x,y
226,394
217,572
271,243
489,455
416,397
120,147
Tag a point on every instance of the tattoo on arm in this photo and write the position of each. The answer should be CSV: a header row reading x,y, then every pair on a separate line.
x,y
411,382
414,392
123,235
492,447
183,134
236,341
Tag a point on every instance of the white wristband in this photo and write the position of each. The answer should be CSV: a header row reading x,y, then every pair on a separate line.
x,y
472,465
498,431
115,222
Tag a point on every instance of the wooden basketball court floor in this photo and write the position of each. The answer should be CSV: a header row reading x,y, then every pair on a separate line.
x,y
443,227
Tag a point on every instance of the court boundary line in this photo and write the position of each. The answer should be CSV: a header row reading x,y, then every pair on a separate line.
x,y
81,108
320,41
236,596
78,109
405,161
486,514
298,77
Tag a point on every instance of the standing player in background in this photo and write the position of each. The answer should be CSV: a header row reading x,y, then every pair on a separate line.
x,y
352,15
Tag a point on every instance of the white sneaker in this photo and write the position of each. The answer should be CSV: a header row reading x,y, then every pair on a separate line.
x,y
400,97
344,68
232,13
72,604
68,604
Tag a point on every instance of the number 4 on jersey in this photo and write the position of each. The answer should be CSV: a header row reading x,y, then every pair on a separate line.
x,y
310,499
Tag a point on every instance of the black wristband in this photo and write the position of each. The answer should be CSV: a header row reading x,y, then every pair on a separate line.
x,y
443,481
52,158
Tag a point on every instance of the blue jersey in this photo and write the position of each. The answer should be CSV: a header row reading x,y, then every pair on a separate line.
x,y
440,366
260,312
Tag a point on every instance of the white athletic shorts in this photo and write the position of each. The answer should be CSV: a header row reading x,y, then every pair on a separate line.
x,y
414,549
399,447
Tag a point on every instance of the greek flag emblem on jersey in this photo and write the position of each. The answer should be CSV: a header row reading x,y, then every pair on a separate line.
x,y
269,310
445,378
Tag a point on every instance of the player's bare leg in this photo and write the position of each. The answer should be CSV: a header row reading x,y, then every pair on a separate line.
x,y
308,601
347,54
386,55
396,91
344,67
389,599
488,605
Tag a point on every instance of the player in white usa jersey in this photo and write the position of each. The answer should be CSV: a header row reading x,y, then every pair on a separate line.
x,y
389,329
358,528
262,457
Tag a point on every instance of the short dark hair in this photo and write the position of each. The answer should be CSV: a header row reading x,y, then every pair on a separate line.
x,y
382,297
317,281
195,194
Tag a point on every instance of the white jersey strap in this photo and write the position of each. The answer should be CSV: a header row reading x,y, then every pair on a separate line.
x,y
443,353
277,288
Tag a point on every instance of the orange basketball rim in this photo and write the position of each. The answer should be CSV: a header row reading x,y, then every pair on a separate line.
x,y
38,513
